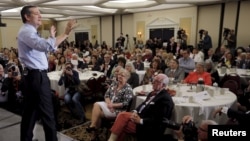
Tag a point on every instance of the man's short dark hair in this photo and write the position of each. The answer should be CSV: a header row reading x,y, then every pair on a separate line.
x,y
26,11
122,60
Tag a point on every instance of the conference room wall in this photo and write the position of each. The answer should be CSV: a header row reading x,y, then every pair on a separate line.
x,y
168,18
209,19
90,25
243,34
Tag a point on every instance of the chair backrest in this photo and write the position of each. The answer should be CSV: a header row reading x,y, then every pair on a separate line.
x,y
91,83
101,79
234,77
232,85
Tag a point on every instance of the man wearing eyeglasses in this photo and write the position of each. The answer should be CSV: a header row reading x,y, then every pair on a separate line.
x,y
146,120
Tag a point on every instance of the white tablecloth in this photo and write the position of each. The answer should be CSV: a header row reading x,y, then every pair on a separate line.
x,y
141,74
55,76
199,110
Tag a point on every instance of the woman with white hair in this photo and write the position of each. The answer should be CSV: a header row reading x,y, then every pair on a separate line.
x,y
209,66
200,72
134,77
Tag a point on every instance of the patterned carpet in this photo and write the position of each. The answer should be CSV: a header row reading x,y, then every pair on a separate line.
x,y
75,128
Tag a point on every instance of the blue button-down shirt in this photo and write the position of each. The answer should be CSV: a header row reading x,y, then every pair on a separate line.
x,y
32,49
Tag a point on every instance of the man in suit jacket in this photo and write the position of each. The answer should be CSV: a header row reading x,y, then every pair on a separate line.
x,y
146,120
174,71
240,116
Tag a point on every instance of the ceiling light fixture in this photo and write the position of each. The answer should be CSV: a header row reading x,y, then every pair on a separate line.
x,y
127,1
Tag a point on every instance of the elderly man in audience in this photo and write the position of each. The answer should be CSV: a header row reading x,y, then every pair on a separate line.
x,y
107,65
174,72
117,99
146,120
200,72
186,62
211,56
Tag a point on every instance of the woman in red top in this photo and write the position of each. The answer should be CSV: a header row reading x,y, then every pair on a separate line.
x,y
199,73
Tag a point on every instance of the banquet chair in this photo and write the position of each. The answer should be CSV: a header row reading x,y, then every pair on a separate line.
x,y
89,94
100,85
228,80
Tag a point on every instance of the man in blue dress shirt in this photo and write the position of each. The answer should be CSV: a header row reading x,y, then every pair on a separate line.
x,y
32,50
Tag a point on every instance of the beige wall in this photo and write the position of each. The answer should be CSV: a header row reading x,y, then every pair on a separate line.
x,y
117,26
209,19
9,33
243,35
172,14
90,25
128,28
192,18
107,30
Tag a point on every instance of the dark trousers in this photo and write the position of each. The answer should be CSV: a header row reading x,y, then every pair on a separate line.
x,y
37,105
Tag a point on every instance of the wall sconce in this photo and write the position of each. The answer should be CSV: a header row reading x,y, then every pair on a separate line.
x,y
93,37
139,34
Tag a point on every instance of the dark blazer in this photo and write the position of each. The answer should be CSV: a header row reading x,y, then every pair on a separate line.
x,y
242,117
139,66
160,107
81,65
171,49
179,74
111,64
133,81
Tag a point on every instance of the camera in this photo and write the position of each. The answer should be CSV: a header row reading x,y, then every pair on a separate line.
x,y
14,73
179,33
68,69
188,129
226,32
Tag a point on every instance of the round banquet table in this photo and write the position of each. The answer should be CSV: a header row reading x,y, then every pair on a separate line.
x,y
55,76
199,110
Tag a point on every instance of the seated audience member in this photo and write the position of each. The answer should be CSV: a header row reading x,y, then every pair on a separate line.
x,y
192,133
134,77
61,64
138,64
77,64
243,118
107,65
121,61
3,95
150,72
198,73
175,72
213,71
12,86
93,64
70,79
186,63
163,65
117,99
146,120
228,60
148,55
211,56
197,55
52,63
242,63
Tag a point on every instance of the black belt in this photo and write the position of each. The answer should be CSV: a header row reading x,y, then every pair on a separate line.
x,y
36,70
